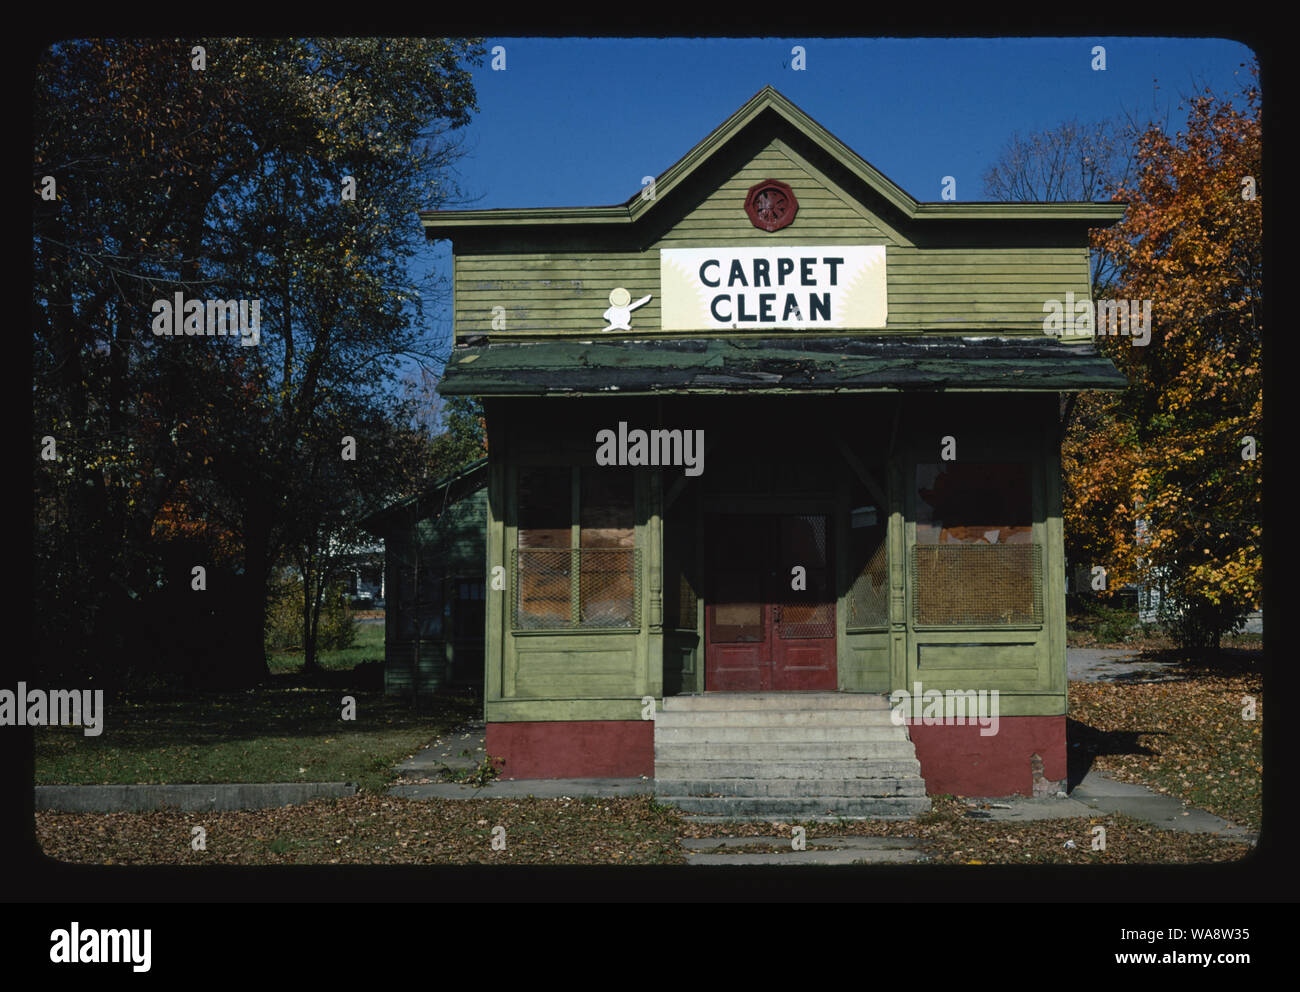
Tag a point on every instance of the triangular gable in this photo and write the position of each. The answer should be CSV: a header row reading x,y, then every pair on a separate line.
x,y
812,138
768,103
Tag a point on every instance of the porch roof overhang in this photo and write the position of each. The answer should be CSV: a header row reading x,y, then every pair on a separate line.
x,y
779,366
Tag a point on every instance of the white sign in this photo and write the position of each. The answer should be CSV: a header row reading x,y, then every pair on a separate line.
x,y
783,286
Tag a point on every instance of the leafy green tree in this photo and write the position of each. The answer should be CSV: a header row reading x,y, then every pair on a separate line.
x,y
228,182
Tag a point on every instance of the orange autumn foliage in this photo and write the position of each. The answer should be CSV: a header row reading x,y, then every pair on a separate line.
x,y
1165,479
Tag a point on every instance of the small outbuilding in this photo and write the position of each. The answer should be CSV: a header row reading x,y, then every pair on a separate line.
x,y
434,584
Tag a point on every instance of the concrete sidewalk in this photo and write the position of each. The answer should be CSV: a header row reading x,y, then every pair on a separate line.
x,y
539,788
447,752
423,775
1112,665
1098,793
188,798
820,851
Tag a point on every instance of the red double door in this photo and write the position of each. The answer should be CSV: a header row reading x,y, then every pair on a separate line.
x,y
769,617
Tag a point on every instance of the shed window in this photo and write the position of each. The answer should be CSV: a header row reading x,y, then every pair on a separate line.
x,y
583,576
469,615
421,605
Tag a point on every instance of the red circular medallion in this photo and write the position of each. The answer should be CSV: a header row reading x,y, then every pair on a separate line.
x,y
771,205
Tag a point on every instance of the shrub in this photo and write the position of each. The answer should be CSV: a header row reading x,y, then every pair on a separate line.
x,y
336,629
1108,624
1195,622
1114,624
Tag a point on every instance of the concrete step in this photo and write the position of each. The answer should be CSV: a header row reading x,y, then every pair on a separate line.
x,y
830,768
775,718
813,857
814,788
778,734
820,851
819,701
795,807
882,750
786,755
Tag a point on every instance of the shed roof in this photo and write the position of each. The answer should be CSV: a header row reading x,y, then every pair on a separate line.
x,y
779,365
467,479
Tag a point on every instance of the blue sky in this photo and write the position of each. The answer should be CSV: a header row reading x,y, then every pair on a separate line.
x,y
579,122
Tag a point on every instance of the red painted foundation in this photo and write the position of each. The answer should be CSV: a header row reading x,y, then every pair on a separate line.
x,y
574,748
956,760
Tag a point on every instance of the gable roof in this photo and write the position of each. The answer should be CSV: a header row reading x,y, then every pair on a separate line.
x,y
767,101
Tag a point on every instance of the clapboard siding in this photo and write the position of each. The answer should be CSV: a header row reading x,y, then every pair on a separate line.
x,y
400,662
930,288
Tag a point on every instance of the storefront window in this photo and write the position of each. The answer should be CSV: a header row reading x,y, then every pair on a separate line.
x,y
583,577
868,599
973,503
543,575
975,563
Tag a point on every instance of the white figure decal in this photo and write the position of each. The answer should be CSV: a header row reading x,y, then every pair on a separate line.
x,y
619,313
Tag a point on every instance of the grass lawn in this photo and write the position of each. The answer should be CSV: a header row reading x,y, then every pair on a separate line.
x,y
1187,738
368,647
287,731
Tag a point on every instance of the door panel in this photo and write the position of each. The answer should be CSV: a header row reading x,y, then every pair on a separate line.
x,y
765,630
803,649
737,633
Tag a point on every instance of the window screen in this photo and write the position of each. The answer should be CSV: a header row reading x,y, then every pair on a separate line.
x,y
588,579
607,535
543,586
975,563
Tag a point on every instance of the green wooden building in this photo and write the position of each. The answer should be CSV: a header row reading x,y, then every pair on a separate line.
x,y
771,444
434,581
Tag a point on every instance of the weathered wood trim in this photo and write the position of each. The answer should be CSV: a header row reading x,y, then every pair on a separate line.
x,y
845,670
497,510
1054,558
899,594
650,537
701,650
523,710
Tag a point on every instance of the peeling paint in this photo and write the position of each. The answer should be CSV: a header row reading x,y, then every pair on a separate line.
x,y
821,365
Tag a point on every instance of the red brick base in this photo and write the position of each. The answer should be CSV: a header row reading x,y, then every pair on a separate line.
x,y
574,748
956,760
